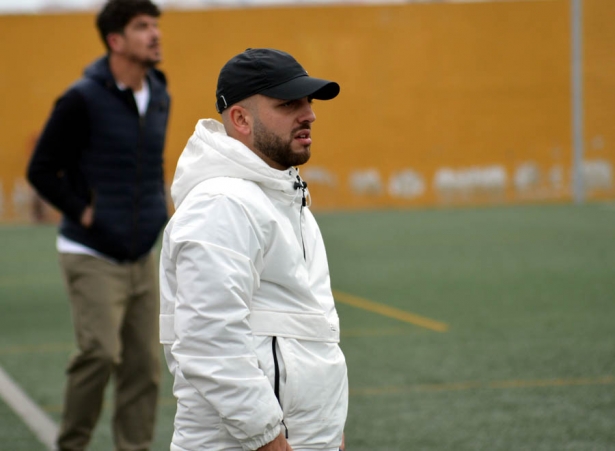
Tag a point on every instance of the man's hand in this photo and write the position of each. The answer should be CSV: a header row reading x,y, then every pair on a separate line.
x,y
343,445
87,217
279,444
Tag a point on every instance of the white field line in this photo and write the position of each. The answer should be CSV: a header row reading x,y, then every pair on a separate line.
x,y
31,414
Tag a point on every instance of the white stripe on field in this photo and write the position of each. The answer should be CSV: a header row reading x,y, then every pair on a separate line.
x,y
31,414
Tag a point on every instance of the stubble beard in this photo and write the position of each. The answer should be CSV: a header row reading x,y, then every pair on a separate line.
x,y
145,61
150,64
277,149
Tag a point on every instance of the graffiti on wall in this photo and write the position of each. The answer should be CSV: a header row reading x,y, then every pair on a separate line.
x,y
492,183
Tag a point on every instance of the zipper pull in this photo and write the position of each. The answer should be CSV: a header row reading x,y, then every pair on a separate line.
x,y
300,184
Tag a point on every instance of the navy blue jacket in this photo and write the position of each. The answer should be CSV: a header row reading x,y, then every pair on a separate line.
x,y
97,150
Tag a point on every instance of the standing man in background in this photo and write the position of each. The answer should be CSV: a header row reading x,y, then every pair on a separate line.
x,y
99,161
248,321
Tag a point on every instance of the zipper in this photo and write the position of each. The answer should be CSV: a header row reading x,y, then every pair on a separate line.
x,y
276,385
302,185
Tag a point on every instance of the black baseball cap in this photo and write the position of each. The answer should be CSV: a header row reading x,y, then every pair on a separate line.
x,y
269,72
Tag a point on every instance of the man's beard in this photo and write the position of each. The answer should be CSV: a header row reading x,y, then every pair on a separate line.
x,y
146,63
278,150
150,64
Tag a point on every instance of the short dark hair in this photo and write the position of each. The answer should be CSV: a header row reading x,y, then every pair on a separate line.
x,y
116,14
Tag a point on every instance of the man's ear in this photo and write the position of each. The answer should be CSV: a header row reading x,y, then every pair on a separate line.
x,y
240,119
115,41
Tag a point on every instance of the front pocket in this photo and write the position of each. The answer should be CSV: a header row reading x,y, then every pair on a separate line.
x,y
316,388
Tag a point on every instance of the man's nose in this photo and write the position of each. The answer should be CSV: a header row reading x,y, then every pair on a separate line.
x,y
307,113
156,32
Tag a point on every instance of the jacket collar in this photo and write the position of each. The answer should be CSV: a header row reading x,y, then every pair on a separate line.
x,y
100,71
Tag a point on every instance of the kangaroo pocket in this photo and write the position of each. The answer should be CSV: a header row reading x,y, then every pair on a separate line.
x,y
315,395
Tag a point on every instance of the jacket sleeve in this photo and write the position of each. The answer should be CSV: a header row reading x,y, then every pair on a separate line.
x,y
57,152
217,254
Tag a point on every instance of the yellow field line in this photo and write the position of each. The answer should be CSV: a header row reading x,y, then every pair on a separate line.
x,y
606,380
391,312
351,333
455,386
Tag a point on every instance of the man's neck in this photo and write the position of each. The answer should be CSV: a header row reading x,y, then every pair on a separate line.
x,y
126,72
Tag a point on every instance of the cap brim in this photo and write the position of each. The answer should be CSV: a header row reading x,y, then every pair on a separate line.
x,y
304,86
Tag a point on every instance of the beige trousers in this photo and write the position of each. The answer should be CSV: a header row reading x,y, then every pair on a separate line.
x,y
115,311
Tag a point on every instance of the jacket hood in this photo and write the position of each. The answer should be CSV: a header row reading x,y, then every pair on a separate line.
x,y
211,153
99,70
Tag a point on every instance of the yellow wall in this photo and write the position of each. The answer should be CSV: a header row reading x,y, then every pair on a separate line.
x,y
599,88
440,103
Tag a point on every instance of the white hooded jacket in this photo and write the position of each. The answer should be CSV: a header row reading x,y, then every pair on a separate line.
x,y
248,322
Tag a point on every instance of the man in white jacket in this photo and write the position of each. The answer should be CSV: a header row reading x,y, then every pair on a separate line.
x,y
248,321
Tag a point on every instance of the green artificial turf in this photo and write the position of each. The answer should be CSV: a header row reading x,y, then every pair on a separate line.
x,y
527,361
